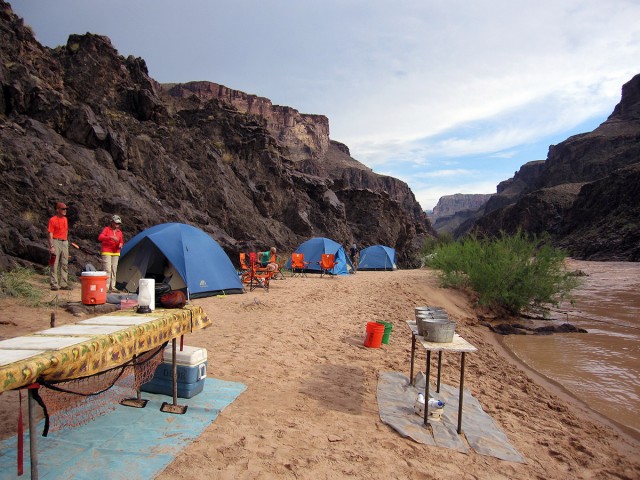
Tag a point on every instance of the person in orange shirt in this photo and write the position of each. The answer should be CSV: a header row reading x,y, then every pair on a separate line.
x,y
112,242
58,233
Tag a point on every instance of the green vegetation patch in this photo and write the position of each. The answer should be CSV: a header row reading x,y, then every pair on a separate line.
x,y
19,283
510,273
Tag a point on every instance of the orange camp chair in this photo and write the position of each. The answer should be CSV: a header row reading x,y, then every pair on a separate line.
x,y
258,277
244,271
279,273
327,262
298,265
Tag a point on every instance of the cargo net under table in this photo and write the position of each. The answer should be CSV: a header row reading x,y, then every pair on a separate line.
x,y
76,402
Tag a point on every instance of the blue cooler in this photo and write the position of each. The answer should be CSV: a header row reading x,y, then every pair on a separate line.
x,y
192,371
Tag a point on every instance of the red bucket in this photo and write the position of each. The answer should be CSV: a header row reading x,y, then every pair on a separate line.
x,y
375,332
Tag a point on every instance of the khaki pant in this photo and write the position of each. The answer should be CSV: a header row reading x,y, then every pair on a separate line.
x,y
60,270
110,265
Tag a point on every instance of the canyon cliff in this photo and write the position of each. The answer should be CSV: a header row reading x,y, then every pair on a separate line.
x,y
584,195
452,210
81,124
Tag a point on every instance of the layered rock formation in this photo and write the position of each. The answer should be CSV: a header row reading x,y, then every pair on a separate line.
x,y
84,125
453,210
451,204
585,195
305,136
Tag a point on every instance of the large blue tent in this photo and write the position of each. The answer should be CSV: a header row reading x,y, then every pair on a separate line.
x,y
313,250
181,255
377,257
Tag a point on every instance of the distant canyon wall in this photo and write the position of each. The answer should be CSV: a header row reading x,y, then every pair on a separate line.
x,y
304,135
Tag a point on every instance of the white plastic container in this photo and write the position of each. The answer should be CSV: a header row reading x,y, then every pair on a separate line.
x,y
147,291
435,407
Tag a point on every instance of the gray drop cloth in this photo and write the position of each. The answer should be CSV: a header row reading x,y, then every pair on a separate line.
x,y
395,402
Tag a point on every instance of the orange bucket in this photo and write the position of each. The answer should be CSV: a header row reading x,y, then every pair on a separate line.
x,y
94,288
375,332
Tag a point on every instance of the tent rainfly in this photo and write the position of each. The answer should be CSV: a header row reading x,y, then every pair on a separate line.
x,y
313,250
181,255
377,257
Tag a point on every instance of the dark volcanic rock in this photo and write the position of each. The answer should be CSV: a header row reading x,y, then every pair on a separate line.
x,y
564,328
84,125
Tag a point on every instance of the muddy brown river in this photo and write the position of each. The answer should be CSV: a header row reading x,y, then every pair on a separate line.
x,y
602,367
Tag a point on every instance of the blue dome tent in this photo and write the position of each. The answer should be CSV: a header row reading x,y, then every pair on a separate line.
x,y
377,257
313,250
181,255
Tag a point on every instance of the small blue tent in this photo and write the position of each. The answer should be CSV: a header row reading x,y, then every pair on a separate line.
x,y
377,257
313,250
183,256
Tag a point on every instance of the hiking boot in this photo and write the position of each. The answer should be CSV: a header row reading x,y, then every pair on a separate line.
x,y
54,287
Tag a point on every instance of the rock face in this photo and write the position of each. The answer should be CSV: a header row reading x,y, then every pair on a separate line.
x,y
84,125
451,204
305,136
585,195
452,210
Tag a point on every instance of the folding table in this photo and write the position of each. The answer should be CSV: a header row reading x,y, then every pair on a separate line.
x,y
458,344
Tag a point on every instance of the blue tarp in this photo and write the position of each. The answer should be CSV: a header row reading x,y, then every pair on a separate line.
x,y
377,257
127,443
178,250
313,250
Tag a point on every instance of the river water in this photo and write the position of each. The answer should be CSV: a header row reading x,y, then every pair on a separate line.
x,y
602,367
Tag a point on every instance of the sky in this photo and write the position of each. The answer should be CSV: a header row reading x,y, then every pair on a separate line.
x,y
450,96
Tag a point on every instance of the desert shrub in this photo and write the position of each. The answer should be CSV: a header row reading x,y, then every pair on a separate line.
x,y
512,272
432,243
18,283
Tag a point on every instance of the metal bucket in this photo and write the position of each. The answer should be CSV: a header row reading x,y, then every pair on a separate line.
x,y
422,319
439,331
420,310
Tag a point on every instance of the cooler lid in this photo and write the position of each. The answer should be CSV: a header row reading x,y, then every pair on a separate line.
x,y
188,356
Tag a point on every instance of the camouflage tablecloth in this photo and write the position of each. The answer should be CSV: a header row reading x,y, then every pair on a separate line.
x,y
104,351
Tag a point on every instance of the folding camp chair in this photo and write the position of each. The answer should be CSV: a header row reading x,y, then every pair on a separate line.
x,y
279,273
245,270
258,277
327,262
298,265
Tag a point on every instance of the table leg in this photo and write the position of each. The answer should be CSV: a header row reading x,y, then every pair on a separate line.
x,y
461,395
439,368
413,352
33,436
174,407
426,388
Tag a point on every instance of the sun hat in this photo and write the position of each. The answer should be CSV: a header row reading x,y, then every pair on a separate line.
x,y
60,205
116,219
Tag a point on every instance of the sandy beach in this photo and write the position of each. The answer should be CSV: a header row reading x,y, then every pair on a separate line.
x,y
310,409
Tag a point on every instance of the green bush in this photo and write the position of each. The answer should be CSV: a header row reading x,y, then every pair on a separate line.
x,y
18,283
512,273
432,243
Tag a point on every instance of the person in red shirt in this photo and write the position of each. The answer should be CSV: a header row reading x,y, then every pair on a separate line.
x,y
112,242
58,234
